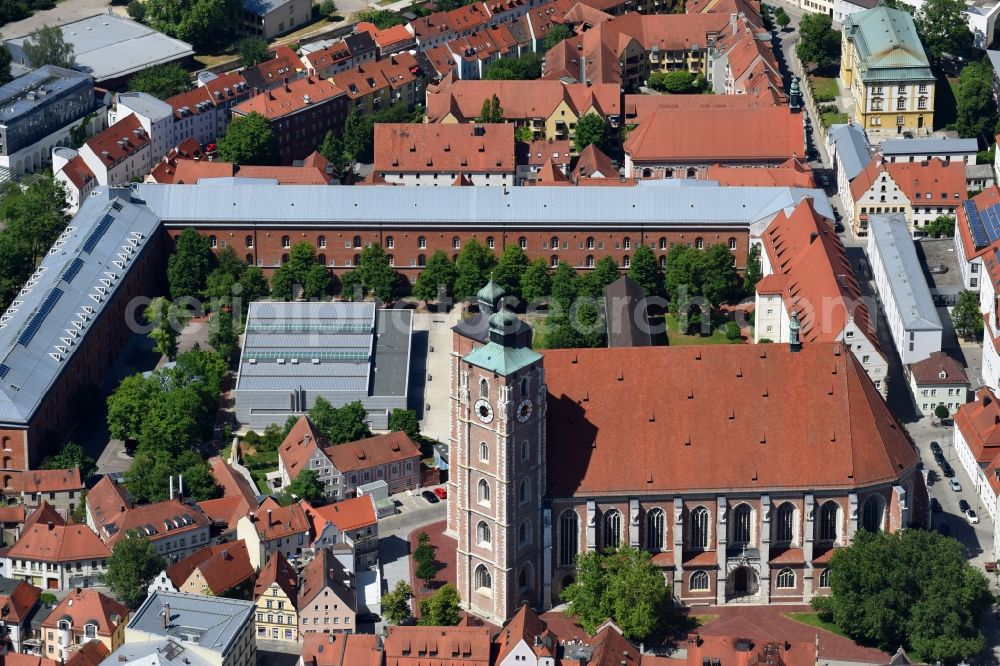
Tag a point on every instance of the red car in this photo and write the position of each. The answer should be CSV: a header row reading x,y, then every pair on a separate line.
x,y
442,493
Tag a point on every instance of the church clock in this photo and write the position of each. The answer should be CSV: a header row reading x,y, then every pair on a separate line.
x,y
484,411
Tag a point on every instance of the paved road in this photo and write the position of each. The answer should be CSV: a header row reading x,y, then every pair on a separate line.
x,y
64,12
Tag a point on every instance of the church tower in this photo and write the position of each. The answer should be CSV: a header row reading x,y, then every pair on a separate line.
x,y
497,470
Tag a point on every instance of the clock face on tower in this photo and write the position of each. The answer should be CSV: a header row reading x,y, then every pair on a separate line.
x,y
484,411
524,410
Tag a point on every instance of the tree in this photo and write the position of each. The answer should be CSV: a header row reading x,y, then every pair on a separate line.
x,y
943,27
192,21
249,140
396,603
473,267
966,316
332,149
46,46
404,420
536,283
645,271
976,110
441,609
819,43
912,588
606,272
753,274
328,8
510,269
254,285
306,486
148,479
733,332
133,565
941,411
167,321
591,129
565,285
524,134
426,571
129,404
359,136
941,226
381,18
437,279
34,218
253,50
340,424
222,334
556,34
136,10
5,59
162,81
782,18
189,265
523,68
72,456
282,284
378,278
622,585
719,278
491,112
677,82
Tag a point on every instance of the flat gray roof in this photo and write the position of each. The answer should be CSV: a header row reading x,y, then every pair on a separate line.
x,y
146,104
426,207
212,623
66,294
263,7
891,235
163,652
108,46
931,146
852,148
22,95
392,353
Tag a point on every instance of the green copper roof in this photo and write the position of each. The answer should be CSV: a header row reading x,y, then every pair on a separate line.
x,y
502,360
491,293
888,45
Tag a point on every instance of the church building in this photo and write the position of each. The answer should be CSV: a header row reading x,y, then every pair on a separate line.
x,y
741,468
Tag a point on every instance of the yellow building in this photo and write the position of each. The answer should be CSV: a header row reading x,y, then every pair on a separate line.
x,y
884,67
276,598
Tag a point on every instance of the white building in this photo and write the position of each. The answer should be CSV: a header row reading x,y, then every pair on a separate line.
x,y
977,445
120,154
923,149
155,116
912,318
938,380
988,306
77,178
270,18
850,152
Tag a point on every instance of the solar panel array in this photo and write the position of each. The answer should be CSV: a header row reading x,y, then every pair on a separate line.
x,y
95,236
71,270
36,320
984,224
307,327
4,369
271,354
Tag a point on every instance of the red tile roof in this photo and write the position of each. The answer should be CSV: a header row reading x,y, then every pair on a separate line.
x,y
519,99
640,108
326,572
593,163
793,173
226,510
124,138
346,515
939,368
12,514
220,91
456,20
985,199
91,653
49,481
289,98
86,606
233,483
20,659
979,423
393,72
930,183
53,542
340,650
167,519
78,172
372,451
278,571
454,646
16,606
106,501
537,152
299,445
692,134
670,406
274,521
222,567
434,148
526,626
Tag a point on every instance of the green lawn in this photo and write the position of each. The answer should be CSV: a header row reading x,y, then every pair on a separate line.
x,y
830,119
812,619
824,88
675,337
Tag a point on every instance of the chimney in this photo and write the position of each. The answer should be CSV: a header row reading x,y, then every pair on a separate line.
x,y
180,486
166,616
171,487
583,70
269,517
794,344
52,526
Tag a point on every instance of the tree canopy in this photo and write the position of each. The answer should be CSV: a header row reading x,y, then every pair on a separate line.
x,y
912,588
133,565
621,585
72,456
249,140
943,226
189,264
439,274
404,420
473,267
976,112
536,283
510,268
5,59
396,603
555,35
304,271
591,129
966,316
491,112
253,50
162,81
677,82
819,43
377,278
441,609
205,24
943,27
46,46
340,424
523,68
167,322
707,273
381,18
645,271
306,486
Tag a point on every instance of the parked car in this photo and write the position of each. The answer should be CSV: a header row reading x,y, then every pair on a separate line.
x,y
441,492
955,485
971,516
936,448
430,497
935,505
947,470
963,506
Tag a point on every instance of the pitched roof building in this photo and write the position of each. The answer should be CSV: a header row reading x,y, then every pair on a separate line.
x,y
277,598
85,615
340,650
51,554
327,597
272,528
436,154
792,173
212,570
938,380
448,646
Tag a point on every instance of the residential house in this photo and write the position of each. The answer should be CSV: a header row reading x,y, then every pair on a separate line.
x,y
283,66
277,598
351,51
119,154
550,109
446,26
850,153
526,639
214,631
808,276
327,596
902,289
386,41
450,646
155,116
977,444
682,142
204,112
375,86
392,457
273,528
91,653
18,604
884,68
351,521
82,616
176,170
975,236
432,155
53,555
76,177
920,191
61,489
219,570
301,449
300,113
471,56
234,483
11,522
938,380
272,18
532,155
922,150
745,63
340,650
